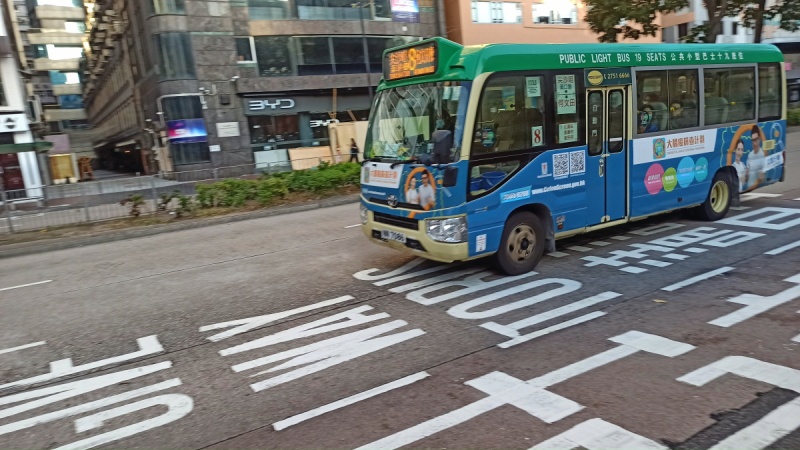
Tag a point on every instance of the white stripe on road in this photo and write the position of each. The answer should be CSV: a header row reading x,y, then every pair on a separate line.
x,y
752,195
762,434
22,347
25,285
785,248
294,420
693,280
352,226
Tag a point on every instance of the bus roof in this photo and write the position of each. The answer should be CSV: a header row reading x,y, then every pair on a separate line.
x,y
457,62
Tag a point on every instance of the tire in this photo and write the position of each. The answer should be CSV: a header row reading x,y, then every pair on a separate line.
x,y
718,201
522,244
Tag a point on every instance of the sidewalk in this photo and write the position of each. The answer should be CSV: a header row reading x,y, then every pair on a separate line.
x,y
9,250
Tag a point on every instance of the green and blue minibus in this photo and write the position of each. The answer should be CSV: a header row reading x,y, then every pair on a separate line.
x,y
498,150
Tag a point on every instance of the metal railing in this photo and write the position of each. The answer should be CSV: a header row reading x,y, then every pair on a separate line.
x,y
103,200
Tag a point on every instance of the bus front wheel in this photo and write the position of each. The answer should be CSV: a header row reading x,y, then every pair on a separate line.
x,y
718,201
522,245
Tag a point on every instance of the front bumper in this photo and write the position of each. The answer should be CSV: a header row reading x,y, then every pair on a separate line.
x,y
417,242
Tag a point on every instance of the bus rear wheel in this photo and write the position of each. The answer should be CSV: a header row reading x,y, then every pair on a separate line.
x,y
718,201
522,244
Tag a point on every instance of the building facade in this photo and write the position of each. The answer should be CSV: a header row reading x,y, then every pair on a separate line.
x,y
195,84
20,159
520,21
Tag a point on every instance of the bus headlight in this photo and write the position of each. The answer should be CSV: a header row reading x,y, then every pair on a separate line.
x,y
453,229
364,214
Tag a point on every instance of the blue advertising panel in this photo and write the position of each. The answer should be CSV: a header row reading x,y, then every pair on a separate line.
x,y
187,130
405,11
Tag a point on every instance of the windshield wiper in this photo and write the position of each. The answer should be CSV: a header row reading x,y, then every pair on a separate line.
x,y
408,161
375,159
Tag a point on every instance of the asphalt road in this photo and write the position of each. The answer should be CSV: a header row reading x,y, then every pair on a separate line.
x,y
295,332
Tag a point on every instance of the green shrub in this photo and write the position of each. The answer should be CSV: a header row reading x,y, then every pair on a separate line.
x,y
793,116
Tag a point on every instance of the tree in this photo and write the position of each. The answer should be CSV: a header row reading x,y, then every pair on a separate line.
x,y
608,17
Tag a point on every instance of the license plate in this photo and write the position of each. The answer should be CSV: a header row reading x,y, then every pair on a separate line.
x,y
393,236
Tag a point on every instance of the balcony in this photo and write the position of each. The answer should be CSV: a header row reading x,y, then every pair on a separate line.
x,y
56,64
55,115
68,89
56,38
59,12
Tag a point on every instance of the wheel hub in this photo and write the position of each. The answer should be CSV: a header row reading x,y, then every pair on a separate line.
x,y
521,242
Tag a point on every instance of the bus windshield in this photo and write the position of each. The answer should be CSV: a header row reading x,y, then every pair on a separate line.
x,y
421,121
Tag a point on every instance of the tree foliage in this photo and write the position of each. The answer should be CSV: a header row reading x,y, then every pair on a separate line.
x,y
632,19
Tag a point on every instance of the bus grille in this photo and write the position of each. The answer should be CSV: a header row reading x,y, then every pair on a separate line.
x,y
402,222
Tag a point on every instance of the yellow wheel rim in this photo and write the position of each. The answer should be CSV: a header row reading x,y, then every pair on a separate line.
x,y
719,196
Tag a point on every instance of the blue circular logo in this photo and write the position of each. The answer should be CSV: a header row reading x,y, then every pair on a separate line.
x,y
685,172
701,170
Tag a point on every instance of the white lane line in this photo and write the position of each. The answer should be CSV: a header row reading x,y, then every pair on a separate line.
x,y
352,226
294,420
620,238
785,248
558,254
693,280
633,269
600,243
739,208
752,195
798,199
22,347
579,248
655,263
25,285
695,250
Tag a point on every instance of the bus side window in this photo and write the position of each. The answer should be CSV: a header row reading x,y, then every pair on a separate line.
x,y
683,110
769,91
501,124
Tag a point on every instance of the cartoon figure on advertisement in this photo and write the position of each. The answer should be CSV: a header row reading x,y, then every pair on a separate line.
x,y
749,165
421,190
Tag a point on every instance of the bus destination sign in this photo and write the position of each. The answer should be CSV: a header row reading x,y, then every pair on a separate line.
x,y
411,62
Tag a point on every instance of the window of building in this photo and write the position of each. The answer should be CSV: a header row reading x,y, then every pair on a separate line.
x,y
313,56
275,132
332,10
190,153
667,100
75,3
74,27
555,12
245,49
167,7
175,55
496,12
769,91
178,108
272,54
729,95
269,9
683,30
348,54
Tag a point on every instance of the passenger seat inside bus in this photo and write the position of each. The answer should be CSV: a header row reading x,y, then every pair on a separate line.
x,y
716,110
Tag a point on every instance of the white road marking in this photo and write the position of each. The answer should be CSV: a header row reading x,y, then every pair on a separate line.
x,y
558,254
620,238
352,226
695,250
756,304
505,389
22,347
25,285
676,256
754,195
294,420
597,434
785,248
600,243
739,208
655,263
693,280
798,199
655,229
767,219
633,269
770,428
551,329
579,248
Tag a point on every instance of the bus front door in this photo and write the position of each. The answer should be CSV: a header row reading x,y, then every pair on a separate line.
x,y
606,176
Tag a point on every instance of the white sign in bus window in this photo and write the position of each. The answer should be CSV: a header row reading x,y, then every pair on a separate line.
x,y
533,87
447,92
566,101
456,94
567,132
537,136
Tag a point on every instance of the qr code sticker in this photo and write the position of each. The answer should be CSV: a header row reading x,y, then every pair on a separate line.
x,y
577,162
561,165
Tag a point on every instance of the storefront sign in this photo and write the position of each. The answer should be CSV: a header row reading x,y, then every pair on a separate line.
x,y
405,11
12,123
322,123
187,130
278,103
228,129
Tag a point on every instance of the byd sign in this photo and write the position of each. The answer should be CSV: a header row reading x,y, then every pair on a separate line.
x,y
281,103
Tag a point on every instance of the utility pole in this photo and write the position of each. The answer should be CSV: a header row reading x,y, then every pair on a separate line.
x,y
361,6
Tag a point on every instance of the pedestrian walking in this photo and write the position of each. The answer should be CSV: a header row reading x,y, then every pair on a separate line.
x,y
353,150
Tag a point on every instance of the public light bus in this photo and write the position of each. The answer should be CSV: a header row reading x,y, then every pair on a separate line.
x,y
501,149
